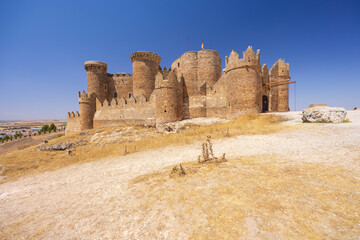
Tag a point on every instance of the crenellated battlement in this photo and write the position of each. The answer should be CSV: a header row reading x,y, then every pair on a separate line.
x,y
122,102
165,72
84,97
167,79
72,115
250,59
121,74
136,56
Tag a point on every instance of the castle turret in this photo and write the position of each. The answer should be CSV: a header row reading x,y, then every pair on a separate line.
x,y
87,110
97,79
168,97
145,67
243,83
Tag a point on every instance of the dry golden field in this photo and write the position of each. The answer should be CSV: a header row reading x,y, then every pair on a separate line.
x,y
280,181
113,141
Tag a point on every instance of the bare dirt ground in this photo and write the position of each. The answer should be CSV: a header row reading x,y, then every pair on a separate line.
x,y
97,200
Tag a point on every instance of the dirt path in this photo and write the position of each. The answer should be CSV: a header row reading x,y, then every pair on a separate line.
x,y
89,201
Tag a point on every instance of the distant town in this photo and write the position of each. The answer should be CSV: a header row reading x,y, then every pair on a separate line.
x,y
25,128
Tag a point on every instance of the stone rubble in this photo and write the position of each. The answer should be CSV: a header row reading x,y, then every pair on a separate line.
x,y
57,146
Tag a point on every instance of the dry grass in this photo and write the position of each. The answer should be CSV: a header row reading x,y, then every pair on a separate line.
x,y
262,197
30,160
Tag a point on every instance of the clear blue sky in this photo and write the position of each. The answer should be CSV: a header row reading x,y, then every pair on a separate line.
x,y
44,44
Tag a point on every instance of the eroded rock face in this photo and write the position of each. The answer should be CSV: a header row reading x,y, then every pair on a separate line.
x,y
324,114
57,146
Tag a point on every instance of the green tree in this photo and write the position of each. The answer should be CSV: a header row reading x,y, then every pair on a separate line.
x,y
52,127
44,128
5,138
18,134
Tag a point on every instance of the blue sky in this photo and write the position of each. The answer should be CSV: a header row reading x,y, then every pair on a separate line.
x,y
44,44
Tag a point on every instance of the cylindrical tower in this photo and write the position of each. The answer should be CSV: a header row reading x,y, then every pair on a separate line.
x,y
209,67
145,67
243,90
188,66
97,79
87,110
168,99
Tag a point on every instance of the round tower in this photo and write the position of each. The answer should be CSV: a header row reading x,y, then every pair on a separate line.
x,y
87,110
188,66
243,84
242,92
168,98
145,67
209,67
97,79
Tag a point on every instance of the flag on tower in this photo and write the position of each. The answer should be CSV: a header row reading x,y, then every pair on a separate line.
x,y
202,45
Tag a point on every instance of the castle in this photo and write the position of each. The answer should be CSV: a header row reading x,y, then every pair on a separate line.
x,y
193,87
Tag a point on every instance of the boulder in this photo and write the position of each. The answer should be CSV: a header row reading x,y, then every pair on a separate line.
x,y
57,146
324,114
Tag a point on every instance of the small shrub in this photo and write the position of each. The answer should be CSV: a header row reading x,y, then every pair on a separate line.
x,y
178,171
208,154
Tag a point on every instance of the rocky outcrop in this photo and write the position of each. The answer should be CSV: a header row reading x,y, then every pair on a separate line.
x,y
57,146
317,105
324,114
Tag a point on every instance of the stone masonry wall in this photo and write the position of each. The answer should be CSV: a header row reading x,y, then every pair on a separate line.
x,y
122,112
73,123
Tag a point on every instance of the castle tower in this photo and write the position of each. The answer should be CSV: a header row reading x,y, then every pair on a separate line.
x,y
283,90
187,66
145,67
87,110
97,79
168,98
243,83
279,91
209,67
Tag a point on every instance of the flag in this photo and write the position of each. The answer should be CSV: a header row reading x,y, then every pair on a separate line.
x,y
202,45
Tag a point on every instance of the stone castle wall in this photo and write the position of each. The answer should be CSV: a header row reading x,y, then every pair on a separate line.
x,y
73,123
125,112
120,86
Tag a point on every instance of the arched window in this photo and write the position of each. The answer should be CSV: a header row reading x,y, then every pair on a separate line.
x,y
178,64
129,95
115,95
